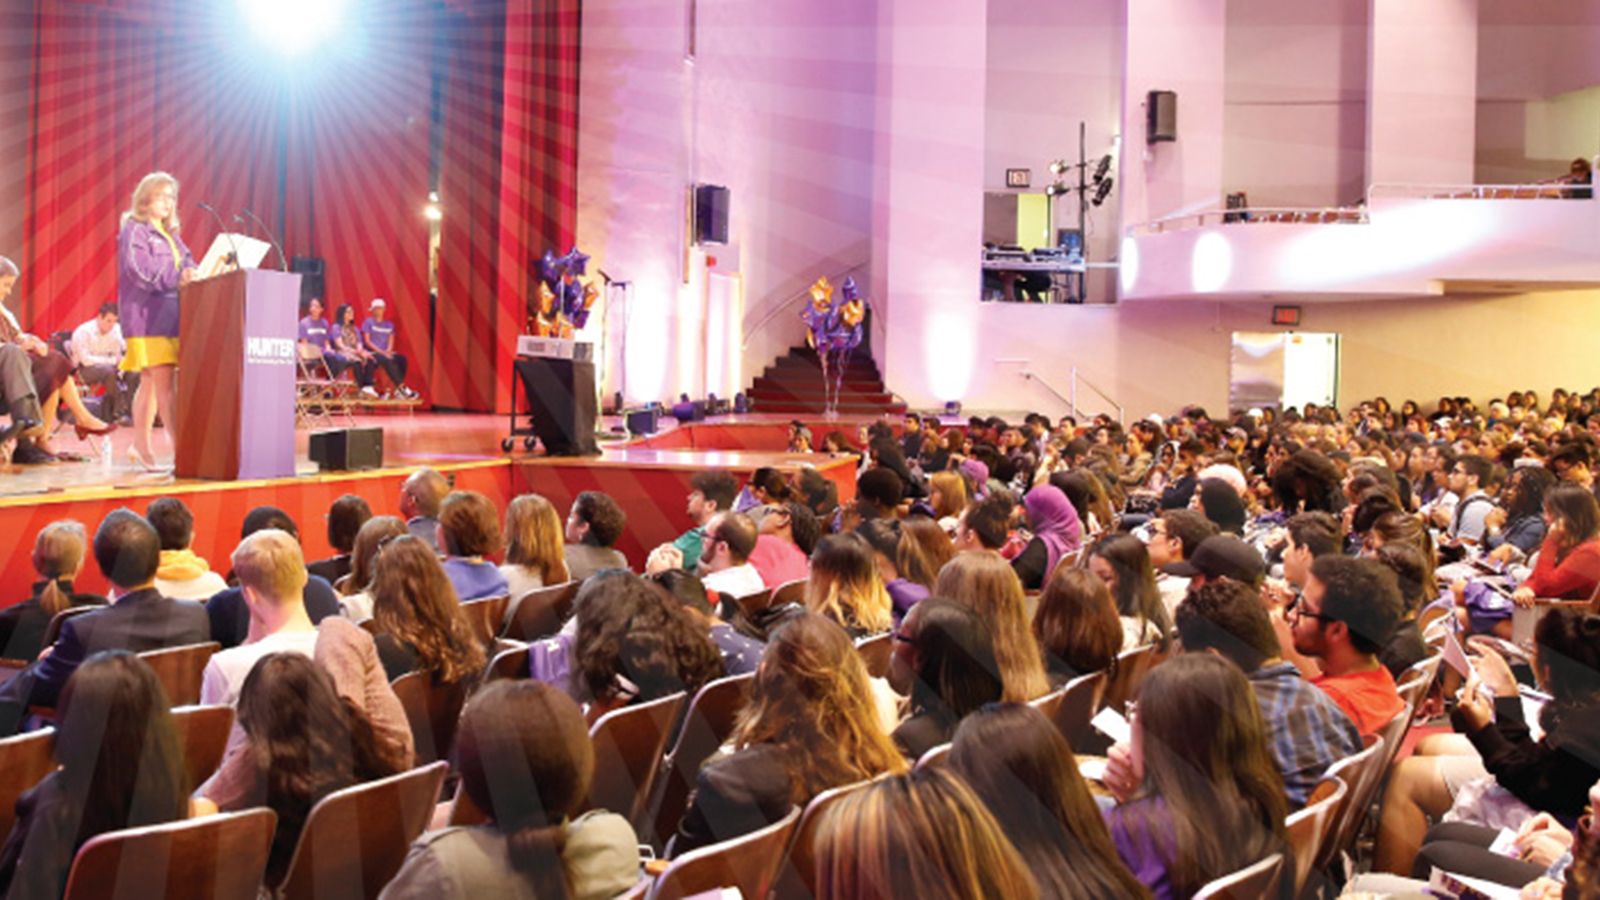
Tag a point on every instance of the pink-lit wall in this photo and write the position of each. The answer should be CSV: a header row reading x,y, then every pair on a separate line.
x,y
1294,129
1530,53
1422,73
1173,45
777,105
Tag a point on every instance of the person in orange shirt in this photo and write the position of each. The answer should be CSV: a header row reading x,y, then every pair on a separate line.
x,y
1345,615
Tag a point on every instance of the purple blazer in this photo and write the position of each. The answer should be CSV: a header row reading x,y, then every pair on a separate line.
x,y
147,281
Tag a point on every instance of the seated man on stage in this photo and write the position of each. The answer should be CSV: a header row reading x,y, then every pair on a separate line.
x,y
377,334
98,348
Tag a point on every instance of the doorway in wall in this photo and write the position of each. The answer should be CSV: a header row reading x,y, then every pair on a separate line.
x,y
1283,369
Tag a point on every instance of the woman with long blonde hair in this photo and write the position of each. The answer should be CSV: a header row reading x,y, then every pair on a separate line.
x,y
58,553
845,586
923,551
925,835
152,263
987,584
535,551
420,625
809,725
947,494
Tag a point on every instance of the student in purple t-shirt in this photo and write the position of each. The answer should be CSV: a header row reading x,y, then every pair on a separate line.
x,y
314,337
377,334
344,345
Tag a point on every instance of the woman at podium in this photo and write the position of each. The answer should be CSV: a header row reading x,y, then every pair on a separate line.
x,y
152,263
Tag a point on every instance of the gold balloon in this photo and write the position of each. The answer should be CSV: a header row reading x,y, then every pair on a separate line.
x,y
852,313
821,294
547,299
590,294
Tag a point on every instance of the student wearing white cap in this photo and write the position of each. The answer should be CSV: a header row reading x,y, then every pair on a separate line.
x,y
377,334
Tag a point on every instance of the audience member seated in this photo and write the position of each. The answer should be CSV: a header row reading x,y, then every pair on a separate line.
x,y
121,767
421,495
740,653
1056,534
97,350
593,526
58,554
878,495
1202,797
923,835
987,585
725,556
885,454
1020,766
1123,563
469,530
1346,614
845,588
1549,775
1307,536
417,618
787,532
1220,503
944,662
183,575
1469,479
272,577
818,493
1405,647
947,494
885,537
377,338
767,487
1170,538
634,645
1307,730
985,525
1515,528
526,762
535,551
1568,566
127,552
809,725
1076,626
304,741
230,617
709,494
345,518
355,589
924,549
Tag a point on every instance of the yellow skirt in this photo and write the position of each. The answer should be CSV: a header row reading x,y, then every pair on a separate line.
x,y
144,352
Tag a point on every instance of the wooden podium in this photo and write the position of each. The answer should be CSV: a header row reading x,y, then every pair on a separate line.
x,y
236,375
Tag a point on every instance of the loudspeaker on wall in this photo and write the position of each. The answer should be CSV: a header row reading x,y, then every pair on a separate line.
x,y
1161,113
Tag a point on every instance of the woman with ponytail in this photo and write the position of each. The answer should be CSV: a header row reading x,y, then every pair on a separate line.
x,y
525,759
57,557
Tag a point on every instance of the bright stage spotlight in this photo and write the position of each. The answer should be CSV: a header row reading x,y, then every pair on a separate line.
x,y
293,27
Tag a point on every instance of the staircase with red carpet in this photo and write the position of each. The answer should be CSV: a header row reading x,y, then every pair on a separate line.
x,y
793,385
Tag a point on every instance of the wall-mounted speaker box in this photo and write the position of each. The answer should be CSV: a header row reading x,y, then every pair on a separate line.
x,y
1161,116
344,449
711,214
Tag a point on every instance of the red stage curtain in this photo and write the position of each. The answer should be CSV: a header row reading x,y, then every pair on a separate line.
x,y
507,199
119,89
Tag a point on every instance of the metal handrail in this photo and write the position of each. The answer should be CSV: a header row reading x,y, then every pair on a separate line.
x,y
788,304
1072,401
1324,215
1539,190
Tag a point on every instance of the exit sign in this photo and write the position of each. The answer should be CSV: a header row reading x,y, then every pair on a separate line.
x,y
1287,316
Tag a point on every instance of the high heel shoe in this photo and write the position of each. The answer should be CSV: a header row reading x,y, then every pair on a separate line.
x,y
85,433
139,460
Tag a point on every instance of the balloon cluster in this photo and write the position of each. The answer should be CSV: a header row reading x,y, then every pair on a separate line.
x,y
563,304
834,328
834,325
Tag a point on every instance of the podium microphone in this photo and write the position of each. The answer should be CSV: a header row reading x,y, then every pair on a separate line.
x,y
222,229
283,261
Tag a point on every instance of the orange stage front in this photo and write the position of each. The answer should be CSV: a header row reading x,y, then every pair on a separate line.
x,y
648,480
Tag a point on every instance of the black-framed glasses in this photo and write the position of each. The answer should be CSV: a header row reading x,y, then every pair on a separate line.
x,y
1296,610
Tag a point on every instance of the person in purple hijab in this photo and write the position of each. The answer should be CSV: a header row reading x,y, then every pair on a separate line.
x,y
977,473
1056,533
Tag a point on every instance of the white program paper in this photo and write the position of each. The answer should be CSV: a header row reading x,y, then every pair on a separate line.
x,y
1110,723
251,252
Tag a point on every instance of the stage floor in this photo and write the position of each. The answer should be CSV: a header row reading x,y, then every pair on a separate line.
x,y
648,477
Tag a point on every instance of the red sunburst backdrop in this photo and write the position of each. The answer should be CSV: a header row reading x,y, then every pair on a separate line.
x,y
336,147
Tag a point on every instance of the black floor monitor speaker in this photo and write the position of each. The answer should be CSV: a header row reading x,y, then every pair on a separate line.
x,y
642,421
313,274
562,400
343,449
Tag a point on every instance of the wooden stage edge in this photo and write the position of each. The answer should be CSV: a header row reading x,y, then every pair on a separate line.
x,y
649,478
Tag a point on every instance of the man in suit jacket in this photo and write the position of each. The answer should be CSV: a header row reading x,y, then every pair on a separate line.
x,y
128,552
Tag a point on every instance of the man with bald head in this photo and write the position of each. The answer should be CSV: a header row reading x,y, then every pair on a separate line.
x,y
420,498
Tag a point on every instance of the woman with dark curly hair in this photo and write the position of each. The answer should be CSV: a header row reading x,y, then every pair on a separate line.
x,y
810,725
305,742
419,622
634,644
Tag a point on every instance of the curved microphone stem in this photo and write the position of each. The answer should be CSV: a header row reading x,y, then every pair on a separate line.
x,y
283,261
222,229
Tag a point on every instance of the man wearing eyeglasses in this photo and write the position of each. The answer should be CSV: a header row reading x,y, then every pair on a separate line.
x,y
1347,612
